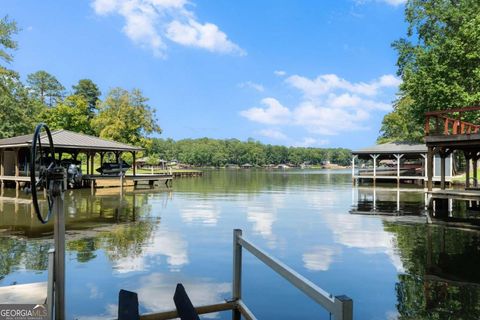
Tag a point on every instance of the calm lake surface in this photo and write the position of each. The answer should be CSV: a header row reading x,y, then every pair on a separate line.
x,y
392,266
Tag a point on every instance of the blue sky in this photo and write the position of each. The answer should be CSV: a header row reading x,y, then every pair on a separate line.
x,y
305,73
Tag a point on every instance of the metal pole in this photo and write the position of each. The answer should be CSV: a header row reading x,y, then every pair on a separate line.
x,y
237,272
59,235
51,281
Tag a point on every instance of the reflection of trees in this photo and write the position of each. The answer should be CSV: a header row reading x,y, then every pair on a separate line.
x,y
17,253
127,240
85,212
253,180
441,279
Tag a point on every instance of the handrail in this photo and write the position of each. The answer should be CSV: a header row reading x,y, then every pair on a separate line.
x,y
452,125
341,307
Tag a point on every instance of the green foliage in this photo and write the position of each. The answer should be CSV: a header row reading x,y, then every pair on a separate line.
x,y
45,87
400,124
439,62
71,114
18,112
125,117
90,91
213,152
7,29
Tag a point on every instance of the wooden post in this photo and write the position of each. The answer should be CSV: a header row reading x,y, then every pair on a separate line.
x,y
443,155
2,171
353,168
467,169
398,157
134,163
430,158
17,173
374,157
92,164
88,162
474,168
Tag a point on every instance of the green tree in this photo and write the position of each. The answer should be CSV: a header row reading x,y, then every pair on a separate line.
x,y
438,61
71,114
18,112
400,124
90,91
126,117
8,28
45,87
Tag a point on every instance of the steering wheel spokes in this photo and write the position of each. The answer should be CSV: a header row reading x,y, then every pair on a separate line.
x,y
42,165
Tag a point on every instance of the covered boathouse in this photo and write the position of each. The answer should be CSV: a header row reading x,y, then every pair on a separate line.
x,y
397,162
15,156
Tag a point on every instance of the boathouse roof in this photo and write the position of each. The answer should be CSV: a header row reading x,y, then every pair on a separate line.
x,y
393,148
64,139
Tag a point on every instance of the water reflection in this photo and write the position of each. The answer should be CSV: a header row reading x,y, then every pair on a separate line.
x,y
319,257
375,245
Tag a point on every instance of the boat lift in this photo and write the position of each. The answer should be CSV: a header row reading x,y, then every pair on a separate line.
x,y
47,173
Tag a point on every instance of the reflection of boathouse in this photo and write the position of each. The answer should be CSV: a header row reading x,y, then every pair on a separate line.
x,y
397,161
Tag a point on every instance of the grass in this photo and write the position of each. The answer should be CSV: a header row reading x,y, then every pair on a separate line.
x,y
461,178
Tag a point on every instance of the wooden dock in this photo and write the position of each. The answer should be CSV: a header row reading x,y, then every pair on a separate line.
x,y
150,180
473,195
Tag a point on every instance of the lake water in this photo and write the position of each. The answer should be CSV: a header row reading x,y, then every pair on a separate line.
x,y
393,265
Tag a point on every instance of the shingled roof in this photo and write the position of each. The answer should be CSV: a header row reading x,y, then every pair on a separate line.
x,y
393,147
64,139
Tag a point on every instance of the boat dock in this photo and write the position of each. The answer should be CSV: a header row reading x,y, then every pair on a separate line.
x,y
105,181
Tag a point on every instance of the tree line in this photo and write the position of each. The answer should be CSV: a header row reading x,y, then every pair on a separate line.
x,y
215,152
123,116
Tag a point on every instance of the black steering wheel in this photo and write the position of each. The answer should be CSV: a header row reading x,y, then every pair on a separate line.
x,y
42,162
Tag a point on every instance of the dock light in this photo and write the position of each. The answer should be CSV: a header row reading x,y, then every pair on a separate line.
x,y
46,173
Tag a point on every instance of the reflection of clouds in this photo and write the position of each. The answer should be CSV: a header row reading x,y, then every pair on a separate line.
x,y
94,293
163,243
205,212
262,219
157,289
355,231
319,258
111,312
263,215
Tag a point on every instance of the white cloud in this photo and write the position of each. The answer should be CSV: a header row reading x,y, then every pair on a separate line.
x,y
394,2
328,105
309,142
274,113
327,83
149,23
273,133
252,85
280,73
206,36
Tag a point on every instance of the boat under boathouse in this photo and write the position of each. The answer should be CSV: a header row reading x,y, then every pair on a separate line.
x,y
397,162
15,159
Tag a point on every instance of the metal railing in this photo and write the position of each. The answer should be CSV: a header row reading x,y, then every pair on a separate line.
x,y
341,307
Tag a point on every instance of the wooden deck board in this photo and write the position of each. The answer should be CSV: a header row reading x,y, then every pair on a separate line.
x,y
456,194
